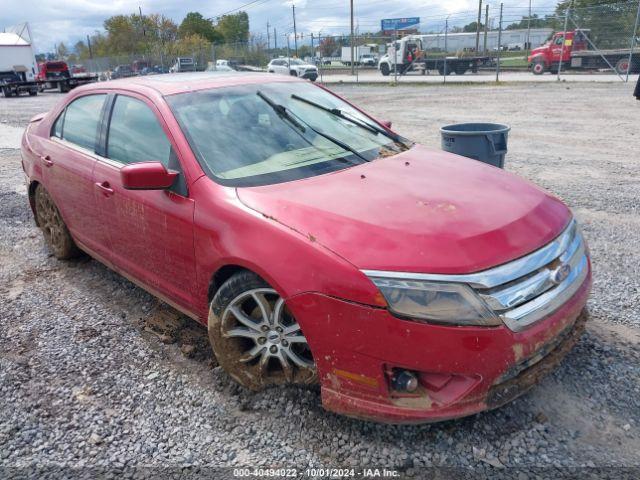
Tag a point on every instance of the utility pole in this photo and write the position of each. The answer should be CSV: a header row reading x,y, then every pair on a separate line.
x,y
529,29
446,30
295,32
275,39
89,45
268,39
353,64
478,25
564,35
633,41
486,27
499,45
288,54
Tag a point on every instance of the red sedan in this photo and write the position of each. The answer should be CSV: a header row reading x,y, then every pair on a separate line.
x,y
318,245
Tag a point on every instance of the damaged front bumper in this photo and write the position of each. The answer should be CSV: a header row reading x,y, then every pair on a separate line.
x,y
461,370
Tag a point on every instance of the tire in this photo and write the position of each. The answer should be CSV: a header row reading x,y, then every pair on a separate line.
x,y
441,70
623,66
6,91
461,69
384,69
33,93
255,338
538,67
56,234
293,73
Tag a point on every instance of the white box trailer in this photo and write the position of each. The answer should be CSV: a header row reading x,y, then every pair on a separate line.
x,y
359,52
16,55
18,67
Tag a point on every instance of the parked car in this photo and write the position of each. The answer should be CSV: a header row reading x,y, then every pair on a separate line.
x,y
122,71
78,70
183,64
368,60
294,67
317,244
220,66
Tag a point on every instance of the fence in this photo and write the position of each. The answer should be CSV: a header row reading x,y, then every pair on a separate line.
x,y
601,39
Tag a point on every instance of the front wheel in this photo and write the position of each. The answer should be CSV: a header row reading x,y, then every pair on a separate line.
x,y
384,69
623,66
538,67
254,336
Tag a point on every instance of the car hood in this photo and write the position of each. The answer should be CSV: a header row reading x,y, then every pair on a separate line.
x,y
420,211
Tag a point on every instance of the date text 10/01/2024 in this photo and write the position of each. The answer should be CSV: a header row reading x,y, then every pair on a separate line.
x,y
316,473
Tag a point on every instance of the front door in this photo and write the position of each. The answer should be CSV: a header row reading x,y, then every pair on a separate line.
x,y
151,231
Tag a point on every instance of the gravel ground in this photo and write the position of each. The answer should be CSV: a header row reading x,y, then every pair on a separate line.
x,y
94,372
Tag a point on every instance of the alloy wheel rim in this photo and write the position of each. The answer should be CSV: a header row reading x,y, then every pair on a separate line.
x,y
267,336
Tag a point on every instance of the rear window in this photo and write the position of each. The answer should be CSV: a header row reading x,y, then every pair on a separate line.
x,y
56,66
81,119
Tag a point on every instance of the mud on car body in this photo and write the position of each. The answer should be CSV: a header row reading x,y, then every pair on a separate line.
x,y
318,245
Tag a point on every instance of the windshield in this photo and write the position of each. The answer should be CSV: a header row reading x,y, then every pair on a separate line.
x,y
240,139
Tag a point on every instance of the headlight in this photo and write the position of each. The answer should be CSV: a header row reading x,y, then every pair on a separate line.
x,y
451,303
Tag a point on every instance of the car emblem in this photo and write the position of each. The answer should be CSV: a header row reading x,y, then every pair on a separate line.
x,y
561,273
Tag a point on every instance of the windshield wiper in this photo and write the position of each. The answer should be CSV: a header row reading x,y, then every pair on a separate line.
x,y
281,111
284,113
339,113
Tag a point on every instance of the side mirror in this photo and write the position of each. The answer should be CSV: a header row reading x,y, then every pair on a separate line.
x,y
386,123
146,176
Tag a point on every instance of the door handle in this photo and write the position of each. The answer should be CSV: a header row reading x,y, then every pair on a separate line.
x,y
47,161
106,189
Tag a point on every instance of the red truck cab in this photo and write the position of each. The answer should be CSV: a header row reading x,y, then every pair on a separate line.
x,y
548,56
53,70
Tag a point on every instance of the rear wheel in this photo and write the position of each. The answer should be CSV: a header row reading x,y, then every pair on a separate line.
x,y
442,70
255,337
56,234
6,91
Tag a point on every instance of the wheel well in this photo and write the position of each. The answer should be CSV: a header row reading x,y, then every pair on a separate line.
x,y
222,275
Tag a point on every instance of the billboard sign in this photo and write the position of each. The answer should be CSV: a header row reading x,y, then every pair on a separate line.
x,y
388,24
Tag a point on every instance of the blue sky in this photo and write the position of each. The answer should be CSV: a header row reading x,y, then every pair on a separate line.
x,y
53,21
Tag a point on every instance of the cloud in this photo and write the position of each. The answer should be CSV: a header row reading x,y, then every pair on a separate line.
x,y
54,21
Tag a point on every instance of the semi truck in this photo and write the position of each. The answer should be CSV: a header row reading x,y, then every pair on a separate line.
x,y
407,54
578,53
18,67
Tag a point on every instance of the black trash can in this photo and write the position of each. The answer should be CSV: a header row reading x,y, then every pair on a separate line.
x,y
486,142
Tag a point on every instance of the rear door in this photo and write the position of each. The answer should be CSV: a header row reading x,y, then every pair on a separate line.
x,y
68,168
151,231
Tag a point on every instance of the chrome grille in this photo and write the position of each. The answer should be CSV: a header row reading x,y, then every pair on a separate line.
x,y
537,293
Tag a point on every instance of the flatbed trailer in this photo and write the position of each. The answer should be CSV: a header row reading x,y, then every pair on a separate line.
x,y
407,55
15,88
449,65
64,84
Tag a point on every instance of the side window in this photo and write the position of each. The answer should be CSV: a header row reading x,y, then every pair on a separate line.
x,y
135,134
56,131
559,40
81,118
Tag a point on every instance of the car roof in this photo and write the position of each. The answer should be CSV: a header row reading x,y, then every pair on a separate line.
x,y
174,83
